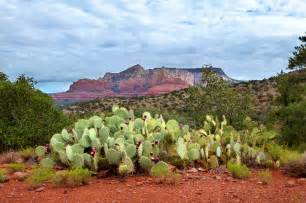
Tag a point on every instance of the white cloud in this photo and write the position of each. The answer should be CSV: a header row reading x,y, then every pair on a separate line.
x,y
67,40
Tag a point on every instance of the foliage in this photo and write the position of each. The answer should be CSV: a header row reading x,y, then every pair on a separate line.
x,y
40,175
290,115
292,120
14,167
288,156
265,176
27,116
216,97
60,178
171,178
78,177
238,171
27,153
3,176
299,55
72,178
161,169
124,144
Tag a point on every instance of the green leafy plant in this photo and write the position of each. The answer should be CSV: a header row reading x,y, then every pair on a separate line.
x,y
40,175
27,153
14,167
34,117
77,177
3,177
161,169
265,176
238,171
60,178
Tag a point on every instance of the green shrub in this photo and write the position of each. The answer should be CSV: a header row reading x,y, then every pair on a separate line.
x,y
162,174
3,176
14,167
60,178
161,169
265,176
239,171
78,177
275,151
288,156
40,175
171,179
27,153
28,116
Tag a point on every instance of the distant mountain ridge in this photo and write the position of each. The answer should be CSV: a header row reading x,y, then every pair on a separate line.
x,y
135,81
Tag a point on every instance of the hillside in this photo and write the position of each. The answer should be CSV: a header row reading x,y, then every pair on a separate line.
x,y
262,91
133,82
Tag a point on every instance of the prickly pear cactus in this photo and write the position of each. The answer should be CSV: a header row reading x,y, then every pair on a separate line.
x,y
121,140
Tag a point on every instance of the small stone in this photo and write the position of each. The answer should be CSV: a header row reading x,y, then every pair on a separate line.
x,y
192,170
40,189
301,180
218,177
259,182
198,192
139,183
290,183
229,179
201,169
20,176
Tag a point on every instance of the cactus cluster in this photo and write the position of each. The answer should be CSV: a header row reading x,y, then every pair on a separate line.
x,y
128,144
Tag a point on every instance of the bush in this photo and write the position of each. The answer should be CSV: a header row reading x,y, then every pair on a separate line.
x,y
171,179
15,167
275,151
283,155
77,177
60,178
40,175
161,169
162,174
28,116
288,156
27,153
293,120
3,177
265,176
239,171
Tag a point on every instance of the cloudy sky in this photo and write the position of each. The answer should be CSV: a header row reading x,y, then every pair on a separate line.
x,y
57,42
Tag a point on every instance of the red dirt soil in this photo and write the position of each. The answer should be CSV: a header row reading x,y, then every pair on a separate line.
x,y
194,187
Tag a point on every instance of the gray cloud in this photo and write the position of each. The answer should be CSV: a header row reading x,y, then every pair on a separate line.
x,y
57,42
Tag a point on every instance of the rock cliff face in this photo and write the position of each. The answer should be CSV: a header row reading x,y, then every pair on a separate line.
x,y
134,81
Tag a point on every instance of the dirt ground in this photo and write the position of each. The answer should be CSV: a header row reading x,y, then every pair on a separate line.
x,y
194,187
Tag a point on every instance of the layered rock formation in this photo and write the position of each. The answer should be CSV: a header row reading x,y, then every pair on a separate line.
x,y
134,81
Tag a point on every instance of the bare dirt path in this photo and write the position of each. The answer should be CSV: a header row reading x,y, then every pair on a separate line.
x,y
195,187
